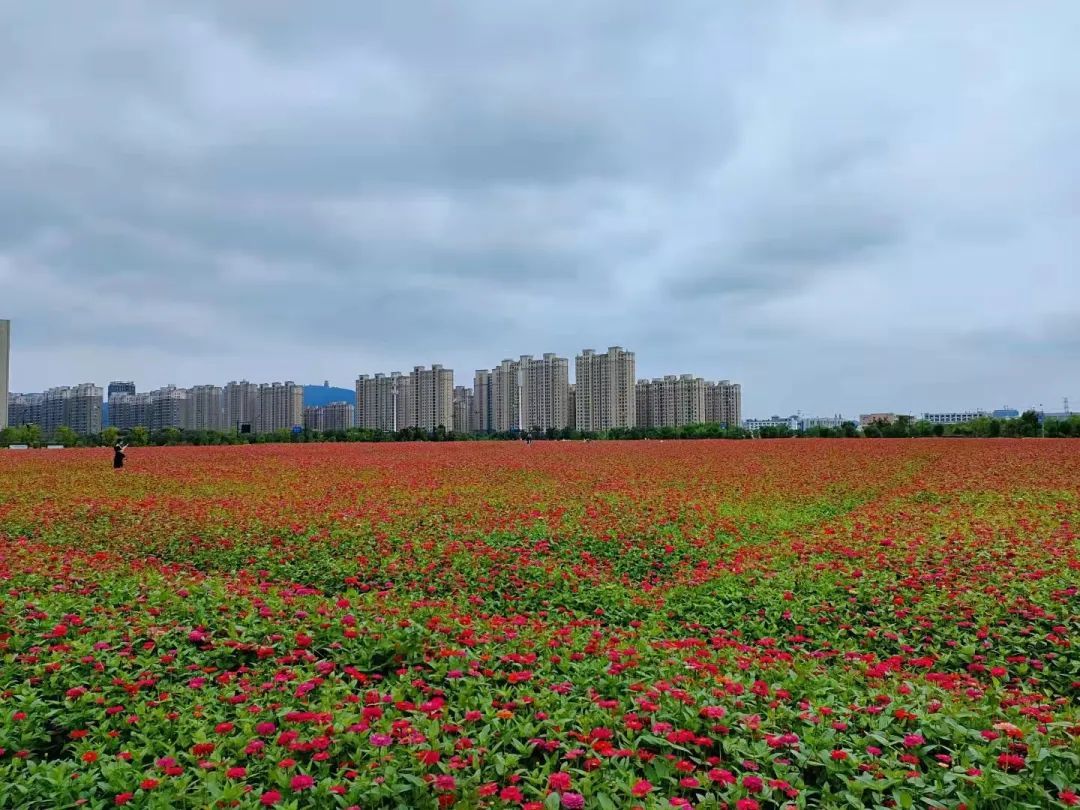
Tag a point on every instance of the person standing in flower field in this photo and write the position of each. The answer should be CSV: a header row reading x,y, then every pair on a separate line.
x,y
118,456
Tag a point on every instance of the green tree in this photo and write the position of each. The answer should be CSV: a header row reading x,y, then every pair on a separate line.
x,y
66,436
109,436
139,436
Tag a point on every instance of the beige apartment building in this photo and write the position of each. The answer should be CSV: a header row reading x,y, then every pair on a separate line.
x,y
5,370
425,399
670,401
605,390
506,397
381,401
241,403
482,420
723,403
205,408
545,392
281,407
77,407
335,417
463,409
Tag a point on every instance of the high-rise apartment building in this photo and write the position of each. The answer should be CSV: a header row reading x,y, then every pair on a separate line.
x,y
463,409
671,401
605,390
5,370
430,398
338,417
205,408
381,401
168,408
506,397
482,417
723,403
25,409
241,405
280,407
77,407
571,406
545,392
335,417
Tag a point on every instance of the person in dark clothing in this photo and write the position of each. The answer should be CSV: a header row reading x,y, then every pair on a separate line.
x,y
118,456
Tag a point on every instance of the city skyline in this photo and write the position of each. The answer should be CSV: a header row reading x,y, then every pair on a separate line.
x,y
844,206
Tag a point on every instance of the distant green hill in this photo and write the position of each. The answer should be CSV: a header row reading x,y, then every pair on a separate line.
x,y
315,395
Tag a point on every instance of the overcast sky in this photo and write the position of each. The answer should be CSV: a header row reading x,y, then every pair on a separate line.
x,y
846,206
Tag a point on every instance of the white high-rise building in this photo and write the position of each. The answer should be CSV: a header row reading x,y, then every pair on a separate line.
x,y
5,370
205,408
241,405
723,403
671,401
463,409
482,418
281,407
545,392
605,390
506,397
381,401
430,398
77,407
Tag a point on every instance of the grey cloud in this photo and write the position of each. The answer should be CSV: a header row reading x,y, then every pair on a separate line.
x,y
252,189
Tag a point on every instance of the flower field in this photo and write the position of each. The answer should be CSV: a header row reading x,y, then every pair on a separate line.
x,y
563,625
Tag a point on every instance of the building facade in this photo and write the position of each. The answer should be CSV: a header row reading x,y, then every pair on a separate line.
x,y
670,401
605,390
506,397
77,407
381,401
25,409
723,403
482,419
463,409
120,387
954,417
5,371
241,405
205,408
789,422
281,407
545,392
430,398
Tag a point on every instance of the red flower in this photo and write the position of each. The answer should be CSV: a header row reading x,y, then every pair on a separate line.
x,y
1011,762
753,783
148,784
236,772
270,798
202,750
90,756
838,755
747,804
1069,798
445,783
511,794
559,781
642,787
123,798
301,782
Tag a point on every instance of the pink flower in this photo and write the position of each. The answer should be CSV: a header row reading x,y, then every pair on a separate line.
x,y
270,798
511,794
641,787
913,740
381,740
747,804
124,798
236,772
265,728
573,801
445,783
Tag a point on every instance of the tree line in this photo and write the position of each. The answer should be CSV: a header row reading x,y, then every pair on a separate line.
x,y
904,427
